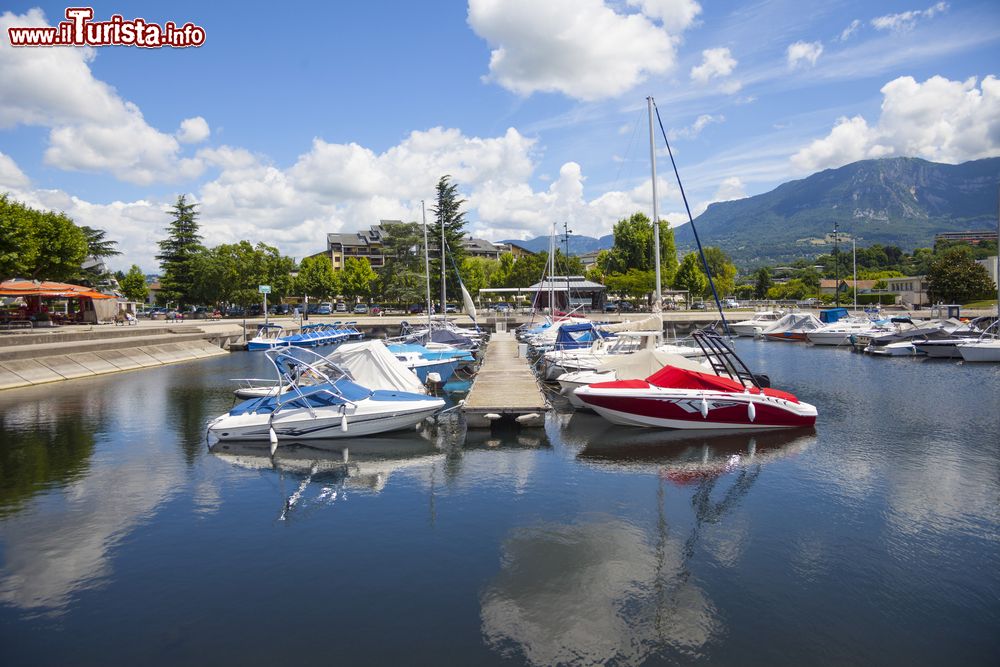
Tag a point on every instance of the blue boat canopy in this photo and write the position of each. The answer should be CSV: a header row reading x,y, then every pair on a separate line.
x,y
831,315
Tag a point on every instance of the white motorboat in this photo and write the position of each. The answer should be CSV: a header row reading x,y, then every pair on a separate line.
x,y
759,322
322,402
678,398
984,348
840,332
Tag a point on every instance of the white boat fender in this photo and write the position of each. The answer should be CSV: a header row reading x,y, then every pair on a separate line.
x,y
524,419
343,423
751,411
274,439
704,408
491,416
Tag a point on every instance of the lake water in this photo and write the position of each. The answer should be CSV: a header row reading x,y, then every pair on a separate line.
x,y
874,539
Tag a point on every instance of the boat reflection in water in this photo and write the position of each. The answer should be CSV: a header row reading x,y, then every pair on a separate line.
x,y
328,469
682,456
605,589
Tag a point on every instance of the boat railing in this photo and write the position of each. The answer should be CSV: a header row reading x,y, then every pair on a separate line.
x,y
723,359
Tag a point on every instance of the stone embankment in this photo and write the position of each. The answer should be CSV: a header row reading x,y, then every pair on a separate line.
x,y
41,356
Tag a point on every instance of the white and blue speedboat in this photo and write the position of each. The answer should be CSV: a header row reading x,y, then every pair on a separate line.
x,y
268,337
319,400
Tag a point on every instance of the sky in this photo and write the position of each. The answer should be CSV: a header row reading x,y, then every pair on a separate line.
x,y
295,120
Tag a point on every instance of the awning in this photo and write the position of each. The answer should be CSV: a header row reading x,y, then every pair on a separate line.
x,y
49,289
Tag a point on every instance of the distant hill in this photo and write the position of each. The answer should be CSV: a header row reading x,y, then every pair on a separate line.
x,y
892,201
578,244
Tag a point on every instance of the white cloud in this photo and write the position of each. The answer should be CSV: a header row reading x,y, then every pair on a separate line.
x,y
92,128
801,52
11,175
939,120
849,31
906,20
676,15
714,63
333,187
693,130
193,130
730,189
581,48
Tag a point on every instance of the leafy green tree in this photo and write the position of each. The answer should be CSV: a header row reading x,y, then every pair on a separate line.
x,y
317,278
232,273
762,283
448,214
42,245
690,276
633,248
793,289
527,271
478,272
358,278
723,271
955,277
503,271
633,283
178,253
133,285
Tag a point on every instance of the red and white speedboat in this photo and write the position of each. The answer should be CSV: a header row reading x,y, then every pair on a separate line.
x,y
680,398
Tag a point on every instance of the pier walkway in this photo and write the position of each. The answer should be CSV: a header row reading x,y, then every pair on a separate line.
x,y
505,388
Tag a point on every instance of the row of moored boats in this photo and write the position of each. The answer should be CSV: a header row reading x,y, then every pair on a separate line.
x,y
976,340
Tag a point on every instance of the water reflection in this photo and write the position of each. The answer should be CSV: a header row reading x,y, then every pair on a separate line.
x,y
681,456
325,470
41,455
594,592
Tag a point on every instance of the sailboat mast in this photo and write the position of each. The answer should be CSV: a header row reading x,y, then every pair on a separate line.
x,y
427,264
552,271
444,289
854,249
656,215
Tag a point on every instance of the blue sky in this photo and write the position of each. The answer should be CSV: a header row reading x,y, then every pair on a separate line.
x,y
289,123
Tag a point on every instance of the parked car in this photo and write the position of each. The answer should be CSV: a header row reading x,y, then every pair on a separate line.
x,y
451,308
502,308
730,303
324,309
313,309
611,307
375,309
700,305
360,309
416,308
235,311
256,310
341,307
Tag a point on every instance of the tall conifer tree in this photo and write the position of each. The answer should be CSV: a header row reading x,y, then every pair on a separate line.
x,y
178,252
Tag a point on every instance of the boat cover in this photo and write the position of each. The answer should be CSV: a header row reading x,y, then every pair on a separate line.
x,y
643,363
652,323
794,322
576,336
831,315
371,364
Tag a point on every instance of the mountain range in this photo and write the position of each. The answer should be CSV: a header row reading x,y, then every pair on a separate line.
x,y
892,201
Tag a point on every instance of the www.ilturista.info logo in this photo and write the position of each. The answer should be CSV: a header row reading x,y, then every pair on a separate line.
x,y
80,30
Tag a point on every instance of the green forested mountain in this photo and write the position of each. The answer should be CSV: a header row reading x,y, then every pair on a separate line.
x,y
892,201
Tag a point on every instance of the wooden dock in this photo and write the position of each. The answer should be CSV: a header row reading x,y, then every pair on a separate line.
x,y
505,388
